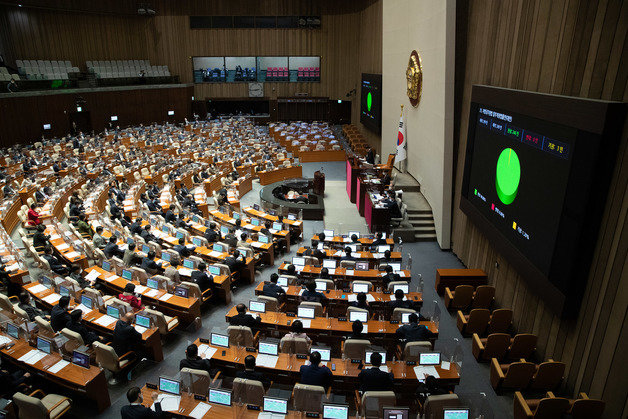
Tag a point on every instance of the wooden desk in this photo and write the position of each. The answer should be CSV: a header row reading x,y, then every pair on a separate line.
x,y
343,277
279,174
296,224
454,277
11,220
366,256
338,240
90,383
324,155
65,249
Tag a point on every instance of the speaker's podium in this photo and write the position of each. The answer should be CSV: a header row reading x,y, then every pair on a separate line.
x,y
319,183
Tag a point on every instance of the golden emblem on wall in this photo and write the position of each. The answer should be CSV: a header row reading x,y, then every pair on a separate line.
x,y
414,78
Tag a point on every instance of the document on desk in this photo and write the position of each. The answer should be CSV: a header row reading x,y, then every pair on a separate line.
x,y
349,272
52,298
63,247
257,244
378,255
332,271
268,361
165,297
58,366
140,329
140,289
422,370
92,276
168,403
215,254
37,289
152,293
185,271
105,320
206,351
306,322
54,236
111,278
72,255
38,355
83,308
200,410
446,365
402,274
392,297
383,368
13,267
27,355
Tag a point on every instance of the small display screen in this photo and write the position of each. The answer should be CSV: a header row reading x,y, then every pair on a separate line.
x,y
335,411
367,357
306,312
86,301
143,321
152,283
257,306
275,405
169,386
113,312
429,358
188,263
268,348
360,288
81,359
403,287
219,340
298,261
44,345
329,263
220,397
126,274
358,315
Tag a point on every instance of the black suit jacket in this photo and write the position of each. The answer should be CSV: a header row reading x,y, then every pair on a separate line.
x,y
125,338
374,379
316,375
202,280
211,236
196,364
414,332
245,320
273,290
254,375
59,318
140,412
111,249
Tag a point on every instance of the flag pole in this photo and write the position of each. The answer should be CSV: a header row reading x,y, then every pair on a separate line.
x,y
401,111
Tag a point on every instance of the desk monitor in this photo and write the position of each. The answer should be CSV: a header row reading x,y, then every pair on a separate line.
x,y
335,411
356,288
127,274
256,207
169,386
224,230
321,285
145,248
165,229
188,263
81,359
282,281
396,412
236,215
403,287
275,405
143,321
456,414
113,312
181,291
44,345
429,358
217,248
262,238
353,247
165,256
255,221
306,312
367,357
396,266
268,348
46,282
277,226
219,340
214,270
405,317
196,241
361,266
382,248
106,266
292,217
153,221
325,353
130,240
196,219
13,330
257,306
357,233
64,291
87,302
220,396
298,261
152,283
329,234
272,212
179,235
330,263
358,315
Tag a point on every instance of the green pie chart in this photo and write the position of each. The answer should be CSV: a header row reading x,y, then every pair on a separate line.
x,y
369,101
508,176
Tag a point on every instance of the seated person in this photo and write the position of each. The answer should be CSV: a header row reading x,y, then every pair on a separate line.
x,y
131,258
112,249
136,410
379,241
125,337
390,276
272,289
313,296
59,316
361,301
347,255
235,262
242,242
75,274
429,388
98,240
136,227
40,239
200,277
182,249
25,304
296,331
195,362
413,331
56,265
399,302
357,327
146,234
77,326
354,239
249,372
82,227
10,382
129,296
211,235
314,374
244,319
150,266
325,274
33,216
374,379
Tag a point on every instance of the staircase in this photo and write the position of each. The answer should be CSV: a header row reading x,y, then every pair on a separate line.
x,y
423,223
420,223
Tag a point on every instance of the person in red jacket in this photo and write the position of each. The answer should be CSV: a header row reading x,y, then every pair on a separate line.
x,y
129,296
33,216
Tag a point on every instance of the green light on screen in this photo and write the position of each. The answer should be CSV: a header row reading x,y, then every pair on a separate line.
x,y
369,101
508,176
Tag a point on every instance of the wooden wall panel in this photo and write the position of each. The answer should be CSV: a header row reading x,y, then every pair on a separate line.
x,y
567,47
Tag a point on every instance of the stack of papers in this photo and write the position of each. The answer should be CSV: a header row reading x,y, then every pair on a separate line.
x,y
185,271
152,293
92,276
268,361
63,247
140,289
37,289
83,308
165,297
72,255
206,351
200,410
58,366
168,403
105,320
140,329
111,278
422,370
331,271
349,272
214,254
32,356
13,267
4,340
52,298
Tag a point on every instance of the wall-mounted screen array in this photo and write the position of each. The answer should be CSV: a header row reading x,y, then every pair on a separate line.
x,y
256,69
371,102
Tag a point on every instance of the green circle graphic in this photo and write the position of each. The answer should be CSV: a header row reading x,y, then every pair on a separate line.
x,y
369,101
508,176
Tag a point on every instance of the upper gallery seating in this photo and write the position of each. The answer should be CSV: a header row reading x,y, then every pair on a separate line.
x,y
6,76
45,70
125,69
309,74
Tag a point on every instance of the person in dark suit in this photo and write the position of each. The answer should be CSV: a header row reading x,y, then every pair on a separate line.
x,y
210,234
169,216
136,410
147,236
195,362
243,319
25,305
55,264
399,302
181,248
249,372
77,326
429,388
379,241
360,301
112,249
125,337
149,265
390,276
370,156
272,289
40,239
152,206
59,316
266,229
235,262
136,227
357,327
314,374
413,331
200,277
374,379
311,295
347,255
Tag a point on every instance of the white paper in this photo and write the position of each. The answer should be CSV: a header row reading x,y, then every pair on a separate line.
x,y
39,355
63,247
58,366
378,255
392,297
111,278
185,271
54,236
365,328
105,320
28,355
165,297
207,352
92,275
4,340
402,274
446,365
349,272
268,361
383,368
140,289
12,268
200,410
72,255
37,289
370,298
421,370
83,308
332,271
306,322
214,254
152,293
52,298
168,403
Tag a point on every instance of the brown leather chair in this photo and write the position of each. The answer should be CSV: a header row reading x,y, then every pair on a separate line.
x,y
549,407
516,375
483,296
522,346
585,408
548,375
475,322
49,406
460,298
500,321
494,346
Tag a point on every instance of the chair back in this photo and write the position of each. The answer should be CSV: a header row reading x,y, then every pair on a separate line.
x,y
548,375
44,324
434,405
587,409
21,313
318,307
412,350
348,264
75,340
330,285
139,274
522,346
225,246
483,296
248,391
291,345
392,284
199,380
159,317
374,401
272,304
398,313
550,408
519,375
463,295
30,407
496,345
478,320
6,304
194,289
500,321
107,357
355,348
292,280
241,335
357,309
308,398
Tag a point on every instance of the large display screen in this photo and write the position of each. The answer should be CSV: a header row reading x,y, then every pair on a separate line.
x,y
518,178
371,102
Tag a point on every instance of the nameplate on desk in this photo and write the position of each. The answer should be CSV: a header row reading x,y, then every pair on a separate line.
x,y
199,397
386,291
252,407
203,340
410,362
356,361
342,319
312,415
301,356
151,386
291,315
394,322
249,349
